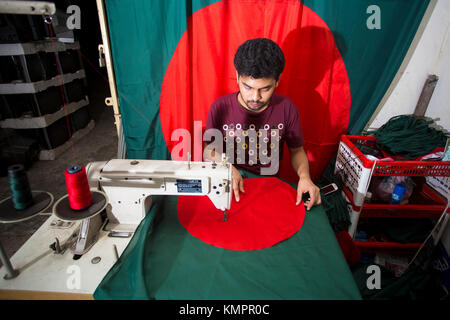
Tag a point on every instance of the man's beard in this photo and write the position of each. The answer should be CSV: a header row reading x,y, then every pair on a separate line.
x,y
260,106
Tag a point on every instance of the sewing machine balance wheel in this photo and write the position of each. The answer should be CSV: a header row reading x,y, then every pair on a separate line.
x,y
63,211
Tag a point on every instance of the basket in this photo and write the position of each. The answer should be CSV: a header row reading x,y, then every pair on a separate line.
x,y
353,211
440,184
356,170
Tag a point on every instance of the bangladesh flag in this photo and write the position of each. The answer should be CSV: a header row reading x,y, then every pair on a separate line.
x,y
173,58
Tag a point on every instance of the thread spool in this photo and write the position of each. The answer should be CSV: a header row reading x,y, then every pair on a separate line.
x,y
21,195
78,190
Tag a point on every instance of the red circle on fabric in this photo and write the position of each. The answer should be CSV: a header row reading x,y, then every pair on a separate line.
x,y
265,215
201,70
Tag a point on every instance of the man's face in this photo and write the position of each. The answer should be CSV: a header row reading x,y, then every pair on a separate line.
x,y
255,94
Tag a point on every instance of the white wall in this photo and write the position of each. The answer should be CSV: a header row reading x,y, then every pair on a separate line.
x,y
429,54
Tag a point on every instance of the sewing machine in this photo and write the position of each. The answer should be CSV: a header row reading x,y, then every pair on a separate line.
x,y
129,185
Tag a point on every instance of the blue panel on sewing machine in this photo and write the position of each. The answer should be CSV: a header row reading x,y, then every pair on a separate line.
x,y
191,186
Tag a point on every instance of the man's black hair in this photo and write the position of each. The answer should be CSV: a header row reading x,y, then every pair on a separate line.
x,y
259,58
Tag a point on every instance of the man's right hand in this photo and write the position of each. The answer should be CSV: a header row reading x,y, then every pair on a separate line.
x,y
238,183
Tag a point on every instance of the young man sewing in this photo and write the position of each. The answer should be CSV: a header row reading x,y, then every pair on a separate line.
x,y
256,108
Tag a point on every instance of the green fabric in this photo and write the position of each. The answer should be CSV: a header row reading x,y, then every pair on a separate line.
x,y
144,35
372,57
163,261
335,204
409,136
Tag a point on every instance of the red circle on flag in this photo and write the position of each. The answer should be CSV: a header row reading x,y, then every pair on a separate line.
x,y
265,215
201,70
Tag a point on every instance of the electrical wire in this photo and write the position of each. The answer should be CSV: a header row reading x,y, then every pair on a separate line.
x,y
61,85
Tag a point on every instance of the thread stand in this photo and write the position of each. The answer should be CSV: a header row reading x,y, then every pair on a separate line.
x,y
42,200
8,214
90,219
63,211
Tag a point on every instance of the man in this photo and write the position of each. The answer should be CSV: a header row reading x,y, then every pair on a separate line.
x,y
256,108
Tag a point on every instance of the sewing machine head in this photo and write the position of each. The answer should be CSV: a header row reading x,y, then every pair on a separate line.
x,y
129,185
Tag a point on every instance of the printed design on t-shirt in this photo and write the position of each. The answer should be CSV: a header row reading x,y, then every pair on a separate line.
x,y
251,145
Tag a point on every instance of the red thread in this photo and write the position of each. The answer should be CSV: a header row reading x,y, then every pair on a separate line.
x,y
78,189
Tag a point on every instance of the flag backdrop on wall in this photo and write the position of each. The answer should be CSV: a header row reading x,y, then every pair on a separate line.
x,y
172,59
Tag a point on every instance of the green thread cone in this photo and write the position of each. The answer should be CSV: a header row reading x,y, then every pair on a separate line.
x,y
21,194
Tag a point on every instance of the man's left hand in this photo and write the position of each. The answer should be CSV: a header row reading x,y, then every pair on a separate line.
x,y
306,185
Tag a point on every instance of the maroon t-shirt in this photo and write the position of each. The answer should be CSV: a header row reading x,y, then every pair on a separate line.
x,y
253,141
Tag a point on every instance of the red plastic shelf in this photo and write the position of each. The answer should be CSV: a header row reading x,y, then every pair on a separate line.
x,y
376,246
397,167
425,204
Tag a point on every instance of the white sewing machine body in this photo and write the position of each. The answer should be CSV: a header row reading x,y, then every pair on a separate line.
x,y
129,185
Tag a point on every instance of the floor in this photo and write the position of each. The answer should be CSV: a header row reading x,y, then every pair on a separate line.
x,y
99,144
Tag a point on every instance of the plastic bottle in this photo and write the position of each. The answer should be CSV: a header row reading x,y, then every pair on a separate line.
x,y
397,194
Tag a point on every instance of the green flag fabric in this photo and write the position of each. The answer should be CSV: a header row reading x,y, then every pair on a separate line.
x,y
163,261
